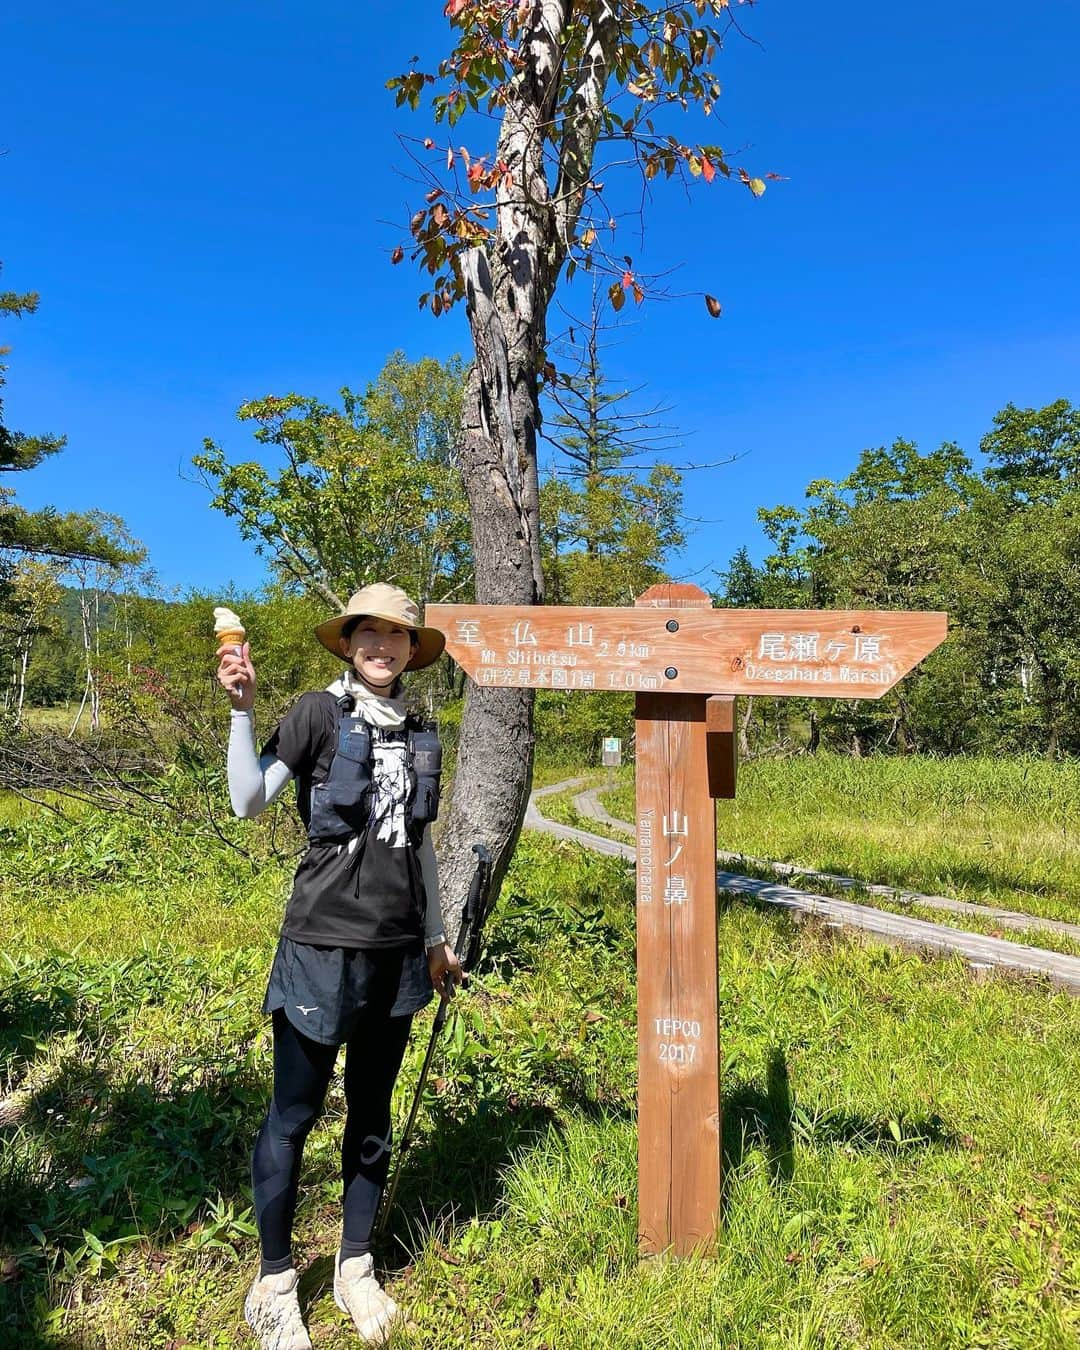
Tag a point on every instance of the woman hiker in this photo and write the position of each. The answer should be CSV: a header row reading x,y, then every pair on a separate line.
x,y
362,943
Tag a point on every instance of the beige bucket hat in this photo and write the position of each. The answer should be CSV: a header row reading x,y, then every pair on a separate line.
x,y
380,601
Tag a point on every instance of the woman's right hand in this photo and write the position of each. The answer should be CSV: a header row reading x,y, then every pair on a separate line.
x,y
236,675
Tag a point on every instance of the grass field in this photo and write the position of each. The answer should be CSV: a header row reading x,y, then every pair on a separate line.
x,y
1004,832
902,1166
59,718
991,832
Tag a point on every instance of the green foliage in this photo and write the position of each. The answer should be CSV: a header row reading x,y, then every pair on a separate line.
x,y
570,727
48,533
169,651
34,594
601,84
366,491
606,540
998,549
1035,452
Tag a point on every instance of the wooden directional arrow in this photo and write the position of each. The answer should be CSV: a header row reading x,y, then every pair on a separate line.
x,y
670,650
805,653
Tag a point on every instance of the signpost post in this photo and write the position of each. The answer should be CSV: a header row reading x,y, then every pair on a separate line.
x,y
685,662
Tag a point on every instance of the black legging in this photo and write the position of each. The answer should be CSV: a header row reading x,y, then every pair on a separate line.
x,y
302,1070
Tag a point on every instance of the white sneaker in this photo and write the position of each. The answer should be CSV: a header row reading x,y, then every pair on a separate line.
x,y
272,1311
358,1293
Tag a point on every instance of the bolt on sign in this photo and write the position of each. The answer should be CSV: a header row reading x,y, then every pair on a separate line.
x,y
685,662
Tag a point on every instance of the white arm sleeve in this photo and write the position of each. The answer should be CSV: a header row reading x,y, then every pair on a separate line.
x,y
253,782
434,933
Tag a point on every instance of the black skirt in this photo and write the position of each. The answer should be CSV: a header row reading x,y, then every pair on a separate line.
x,y
324,990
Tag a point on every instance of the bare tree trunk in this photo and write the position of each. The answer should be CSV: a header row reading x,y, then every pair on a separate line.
x,y
744,727
82,705
508,287
95,699
498,460
89,686
905,742
24,662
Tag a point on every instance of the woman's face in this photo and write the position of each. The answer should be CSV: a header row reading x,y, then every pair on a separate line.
x,y
378,650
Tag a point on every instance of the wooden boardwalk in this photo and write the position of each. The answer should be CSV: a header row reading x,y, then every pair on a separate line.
x,y
982,953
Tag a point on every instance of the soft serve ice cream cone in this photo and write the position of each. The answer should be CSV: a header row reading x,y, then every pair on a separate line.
x,y
227,628
229,631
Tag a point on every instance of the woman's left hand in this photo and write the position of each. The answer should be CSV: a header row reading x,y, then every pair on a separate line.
x,y
444,968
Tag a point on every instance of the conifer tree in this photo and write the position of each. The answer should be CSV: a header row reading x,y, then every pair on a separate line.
x,y
608,520
45,533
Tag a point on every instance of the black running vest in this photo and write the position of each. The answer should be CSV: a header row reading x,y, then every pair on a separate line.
x,y
340,805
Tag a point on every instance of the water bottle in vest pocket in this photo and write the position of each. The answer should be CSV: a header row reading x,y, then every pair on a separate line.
x,y
339,806
426,764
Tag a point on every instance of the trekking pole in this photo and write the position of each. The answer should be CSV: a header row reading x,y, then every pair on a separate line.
x,y
467,950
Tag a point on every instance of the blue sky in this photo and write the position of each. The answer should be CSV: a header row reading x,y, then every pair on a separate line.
x,y
206,199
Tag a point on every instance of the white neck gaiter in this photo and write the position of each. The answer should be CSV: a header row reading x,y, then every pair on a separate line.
x,y
385,713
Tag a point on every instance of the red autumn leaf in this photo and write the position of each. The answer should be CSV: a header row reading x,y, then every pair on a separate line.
x,y
454,8
627,280
708,170
713,306
397,254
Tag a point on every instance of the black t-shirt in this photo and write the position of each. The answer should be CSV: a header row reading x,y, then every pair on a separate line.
x,y
366,892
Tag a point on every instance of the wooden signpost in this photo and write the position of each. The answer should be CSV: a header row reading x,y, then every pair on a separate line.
x,y
685,662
